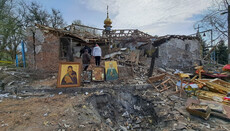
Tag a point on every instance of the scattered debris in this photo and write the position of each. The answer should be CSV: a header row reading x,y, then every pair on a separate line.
x,y
46,114
133,102
66,125
199,110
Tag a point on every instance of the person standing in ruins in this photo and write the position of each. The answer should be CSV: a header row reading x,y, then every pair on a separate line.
x,y
97,54
85,59
82,51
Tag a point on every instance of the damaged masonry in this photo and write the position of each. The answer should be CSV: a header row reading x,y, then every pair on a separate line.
x,y
160,83
47,47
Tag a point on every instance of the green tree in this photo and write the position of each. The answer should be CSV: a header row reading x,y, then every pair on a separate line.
x,y
34,13
56,19
16,16
222,53
10,29
203,44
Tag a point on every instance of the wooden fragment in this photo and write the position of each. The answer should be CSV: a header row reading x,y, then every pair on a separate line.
x,y
217,88
164,84
214,86
199,68
137,57
157,78
207,95
181,83
111,55
152,84
199,110
221,82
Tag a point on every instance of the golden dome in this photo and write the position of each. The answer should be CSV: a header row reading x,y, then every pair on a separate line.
x,y
107,21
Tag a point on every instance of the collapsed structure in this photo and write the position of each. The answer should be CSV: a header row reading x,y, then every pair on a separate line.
x,y
48,46
126,104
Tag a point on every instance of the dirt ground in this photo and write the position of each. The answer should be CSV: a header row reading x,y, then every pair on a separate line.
x,y
58,112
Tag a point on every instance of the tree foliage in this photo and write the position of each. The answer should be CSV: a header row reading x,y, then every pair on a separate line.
x,y
222,53
34,13
10,29
16,16
56,19
204,49
216,18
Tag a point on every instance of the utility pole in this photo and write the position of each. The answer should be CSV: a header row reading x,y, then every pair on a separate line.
x,y
228,34
198,29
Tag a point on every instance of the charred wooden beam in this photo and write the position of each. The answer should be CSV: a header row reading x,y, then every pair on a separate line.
x,y
152,63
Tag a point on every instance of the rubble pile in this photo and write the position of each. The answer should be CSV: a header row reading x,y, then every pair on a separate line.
x,y
148,109
124,110
169,100
212,92
206,97
14,80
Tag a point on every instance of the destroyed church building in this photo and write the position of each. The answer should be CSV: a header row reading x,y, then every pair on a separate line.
x,y
47,46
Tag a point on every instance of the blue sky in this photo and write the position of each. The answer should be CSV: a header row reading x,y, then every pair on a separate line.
x,y
156,17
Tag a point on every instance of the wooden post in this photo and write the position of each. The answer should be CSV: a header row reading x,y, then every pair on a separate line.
x,y
152,63
199,69
181,85
70,51
199,74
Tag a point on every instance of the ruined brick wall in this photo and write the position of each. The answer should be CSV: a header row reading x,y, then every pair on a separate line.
x,y
178,54
42,50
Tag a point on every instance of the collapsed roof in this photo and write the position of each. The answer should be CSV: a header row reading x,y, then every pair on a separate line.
x,y
160,40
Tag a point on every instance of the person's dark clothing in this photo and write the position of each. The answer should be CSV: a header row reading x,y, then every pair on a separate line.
x,y
83,50
85,60
86,67
97,60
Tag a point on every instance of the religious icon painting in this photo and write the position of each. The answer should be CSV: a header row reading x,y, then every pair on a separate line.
x,y
69,74
98,74
111,70
86,76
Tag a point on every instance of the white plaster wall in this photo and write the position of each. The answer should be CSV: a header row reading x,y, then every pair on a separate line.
x,y
39,36
172,54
